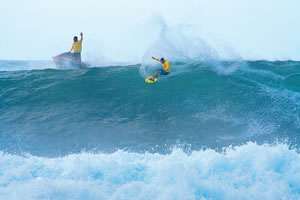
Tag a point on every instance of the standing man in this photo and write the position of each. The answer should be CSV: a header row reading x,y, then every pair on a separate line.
x,y
165,70
77,47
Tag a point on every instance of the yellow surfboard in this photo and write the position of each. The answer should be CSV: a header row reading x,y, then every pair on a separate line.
x,y
150,79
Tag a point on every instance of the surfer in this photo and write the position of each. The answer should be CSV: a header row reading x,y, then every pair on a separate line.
x,y
165,70
77,47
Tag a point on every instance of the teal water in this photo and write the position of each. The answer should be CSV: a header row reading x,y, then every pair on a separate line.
x,y
53,116
112,108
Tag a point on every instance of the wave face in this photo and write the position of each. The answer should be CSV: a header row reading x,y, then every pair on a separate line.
x,y
57,112
209,130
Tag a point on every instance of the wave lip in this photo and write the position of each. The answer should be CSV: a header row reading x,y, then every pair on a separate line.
x,y
250,171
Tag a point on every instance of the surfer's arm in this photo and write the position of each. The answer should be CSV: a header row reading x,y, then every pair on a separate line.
x,y
71,48
156,59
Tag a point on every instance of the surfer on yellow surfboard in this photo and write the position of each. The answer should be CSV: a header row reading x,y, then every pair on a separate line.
x,y
165,70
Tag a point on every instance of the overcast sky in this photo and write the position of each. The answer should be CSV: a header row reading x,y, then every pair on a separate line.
x,y
123,30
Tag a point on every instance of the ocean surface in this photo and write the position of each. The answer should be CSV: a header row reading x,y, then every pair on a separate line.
x,y
209,130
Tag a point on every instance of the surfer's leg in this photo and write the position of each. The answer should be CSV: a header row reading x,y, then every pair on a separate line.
x,y
78,57
157,74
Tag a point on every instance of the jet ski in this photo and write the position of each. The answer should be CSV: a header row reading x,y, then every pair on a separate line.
x,y
67,60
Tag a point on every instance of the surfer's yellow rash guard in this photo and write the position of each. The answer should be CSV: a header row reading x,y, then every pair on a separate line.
x,y
166,66
77,46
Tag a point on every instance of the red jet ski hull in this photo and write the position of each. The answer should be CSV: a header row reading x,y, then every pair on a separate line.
x,y
66,60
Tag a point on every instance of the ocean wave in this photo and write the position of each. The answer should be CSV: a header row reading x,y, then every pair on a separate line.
x,y
113,108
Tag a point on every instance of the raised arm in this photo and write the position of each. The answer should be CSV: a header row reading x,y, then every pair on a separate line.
x,y
81,35
156,59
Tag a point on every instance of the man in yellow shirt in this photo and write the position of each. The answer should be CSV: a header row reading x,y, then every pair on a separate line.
x,y
77,47
165,70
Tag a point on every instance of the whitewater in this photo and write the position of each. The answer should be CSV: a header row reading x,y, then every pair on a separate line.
x,y
212,129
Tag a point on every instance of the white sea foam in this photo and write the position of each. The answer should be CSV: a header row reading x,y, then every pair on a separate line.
x,y
250,171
